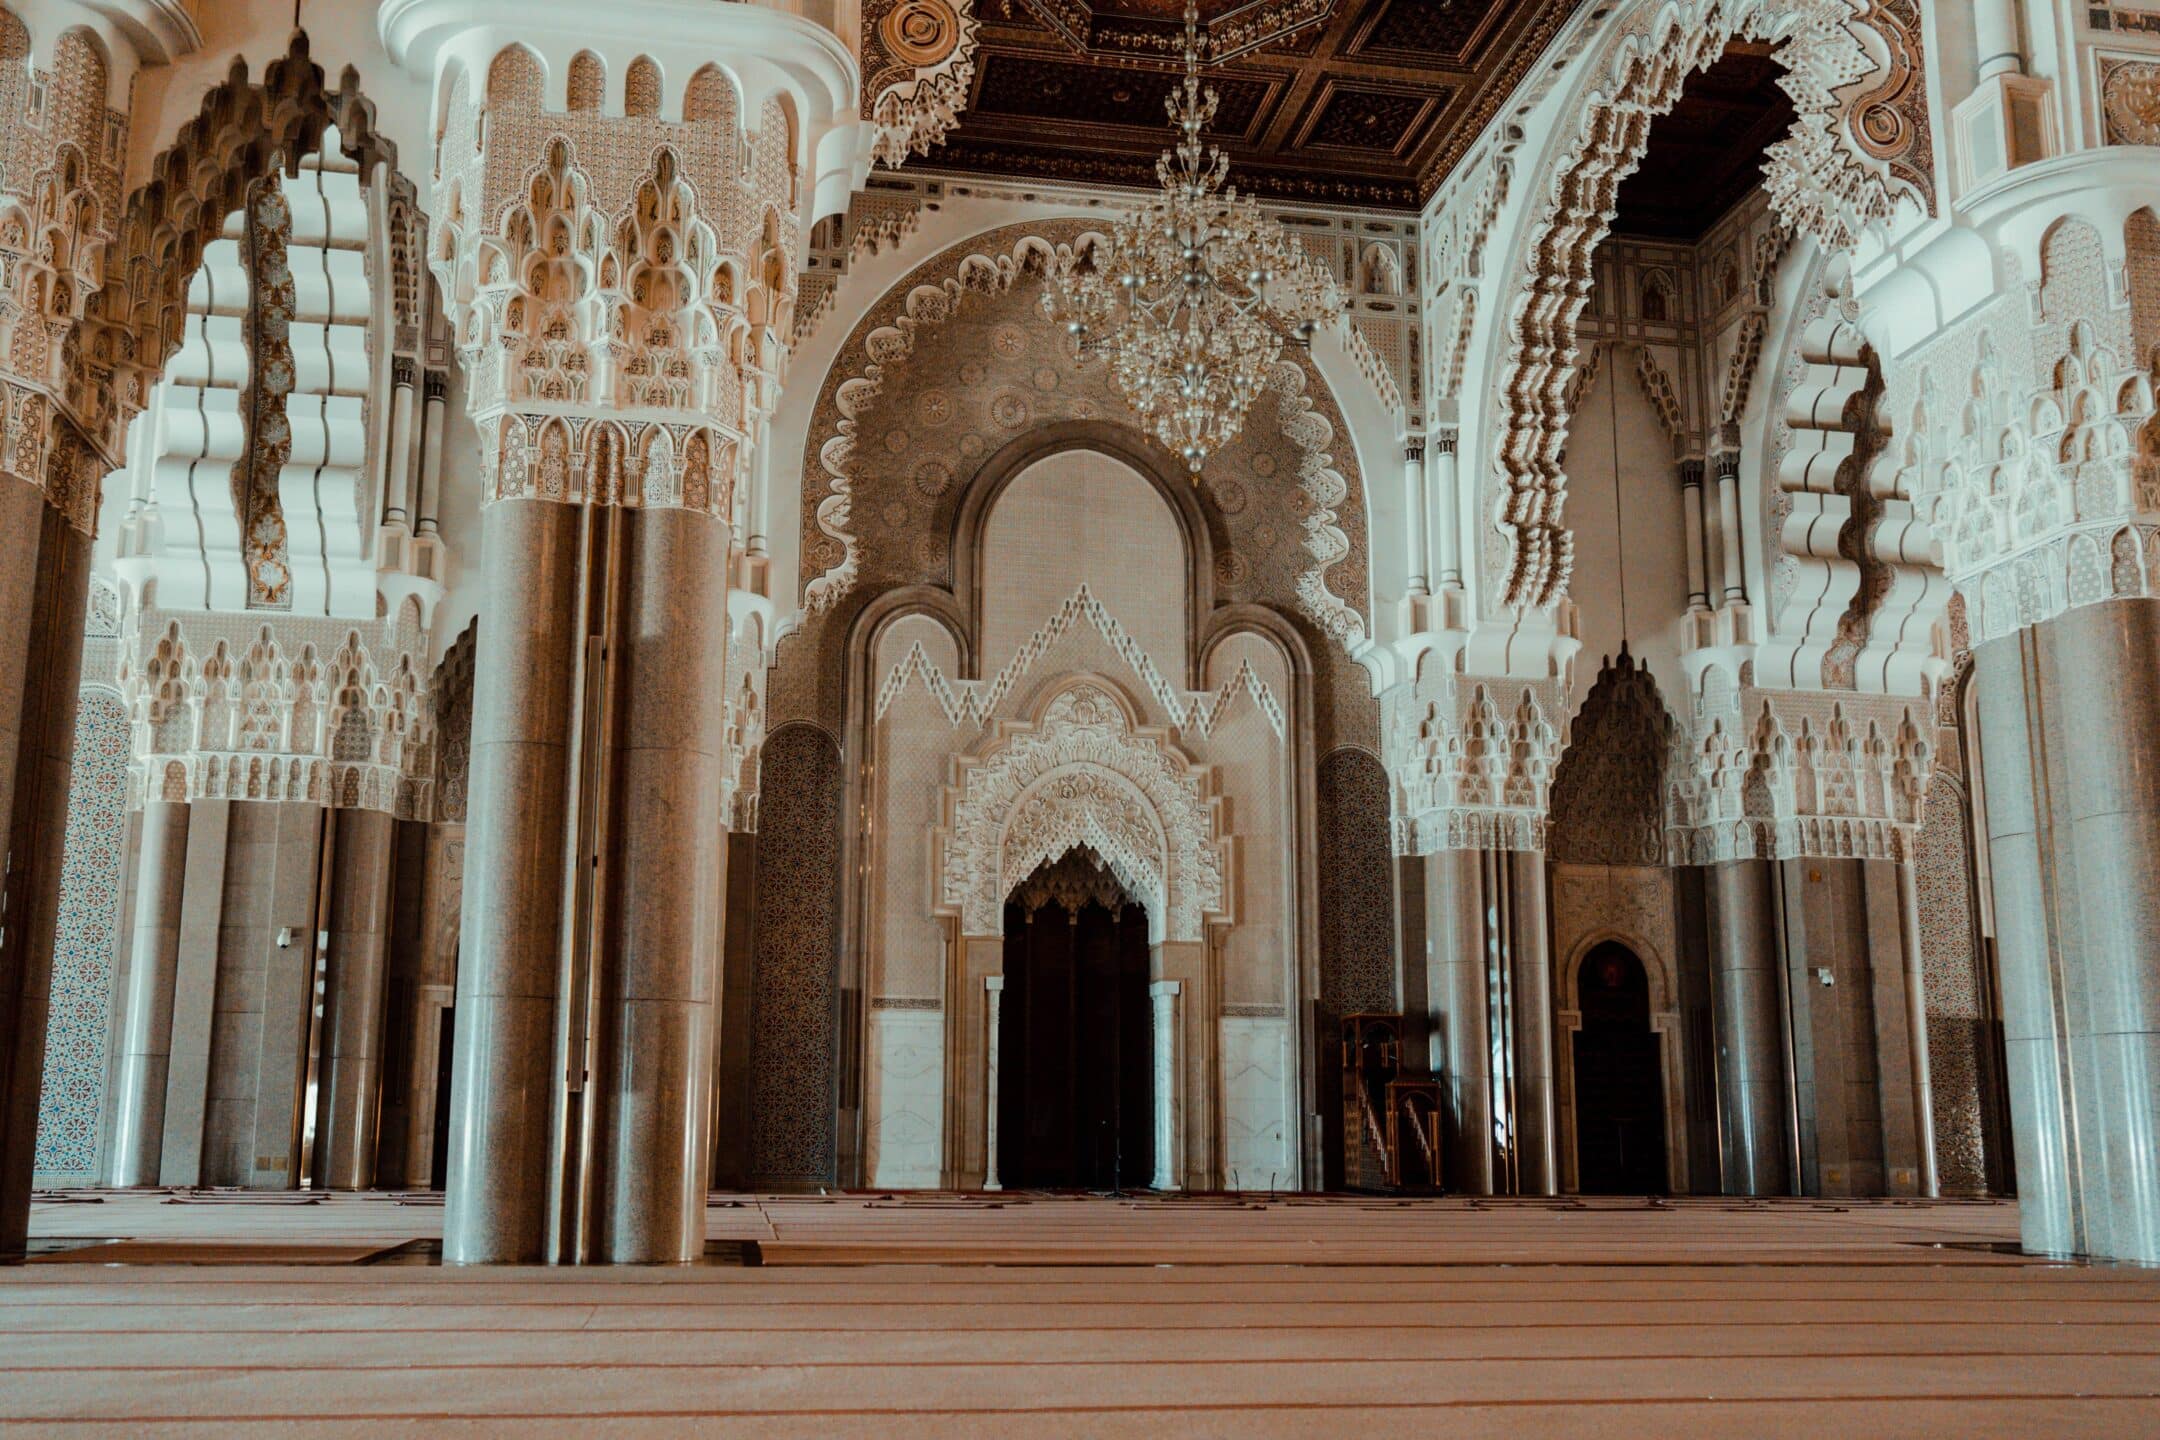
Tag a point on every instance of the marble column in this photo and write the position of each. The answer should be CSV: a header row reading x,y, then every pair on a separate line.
x,y
1727,463
1529,936
495,1202
1996,39
348,1090
49,502
1442,478
1169,1134
2069,724
436,388
1916,1031
399,501
1461,1039
44,589
668,861
994,1005
1745,1003
1691,515
146,1037
1414,511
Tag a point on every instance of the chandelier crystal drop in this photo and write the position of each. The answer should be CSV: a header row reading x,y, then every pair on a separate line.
x,y
1190,298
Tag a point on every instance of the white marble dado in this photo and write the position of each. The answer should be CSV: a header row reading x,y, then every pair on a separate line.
x,y
1258,1104
906,1132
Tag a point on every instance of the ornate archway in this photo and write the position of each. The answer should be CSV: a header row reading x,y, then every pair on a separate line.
x,y
1859,147
1082,772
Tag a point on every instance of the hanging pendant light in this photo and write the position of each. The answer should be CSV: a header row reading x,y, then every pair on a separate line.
x,y
1190,298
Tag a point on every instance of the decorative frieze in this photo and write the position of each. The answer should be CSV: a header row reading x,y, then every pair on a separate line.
x,y
974,703
1082,772
235,707
1472,760
1778,774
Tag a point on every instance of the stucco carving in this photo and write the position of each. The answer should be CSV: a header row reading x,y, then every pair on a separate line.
x,y
1472,760
1761,774
1820,178
918,62
1608,794
891,431
974,703
2032,447
229,707
630,265
1082,773
136,318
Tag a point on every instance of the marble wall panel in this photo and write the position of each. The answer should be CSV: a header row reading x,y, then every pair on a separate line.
x,y
1259,1103
905,1120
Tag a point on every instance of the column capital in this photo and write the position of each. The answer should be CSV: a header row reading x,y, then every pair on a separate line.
x,y
618,244
280,707
1472,759
1791,774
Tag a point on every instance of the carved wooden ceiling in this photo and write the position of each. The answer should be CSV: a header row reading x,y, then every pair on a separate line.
x,y
1367,102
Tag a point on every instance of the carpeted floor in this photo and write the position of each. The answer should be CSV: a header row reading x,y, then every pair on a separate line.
x,y
152,1314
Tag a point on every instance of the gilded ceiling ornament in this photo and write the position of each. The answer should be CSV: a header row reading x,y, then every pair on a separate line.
x,y
920,32
918,65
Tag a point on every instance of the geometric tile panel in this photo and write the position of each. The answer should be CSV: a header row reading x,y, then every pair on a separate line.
x,y
1357,885
1960,1039
793,1042
90,877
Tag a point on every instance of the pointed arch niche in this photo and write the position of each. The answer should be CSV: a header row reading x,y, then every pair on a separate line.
x,y
1077,688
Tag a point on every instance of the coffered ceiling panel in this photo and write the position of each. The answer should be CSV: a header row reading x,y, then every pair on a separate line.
x,y
1366,102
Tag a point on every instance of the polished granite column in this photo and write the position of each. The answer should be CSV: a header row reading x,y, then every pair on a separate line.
x,y
348,1103
1455,962
668,858
1529,935
1753,1117
495,1200
44,589
146,1035
2069,731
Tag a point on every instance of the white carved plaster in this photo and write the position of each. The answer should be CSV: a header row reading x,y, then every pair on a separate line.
x,y
1082,773
972,703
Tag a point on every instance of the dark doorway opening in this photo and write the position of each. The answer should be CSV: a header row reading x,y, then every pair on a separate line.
x,y
439,1150
1075,1049
1619,1079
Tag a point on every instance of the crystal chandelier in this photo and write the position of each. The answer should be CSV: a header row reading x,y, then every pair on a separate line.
x,y
1191,297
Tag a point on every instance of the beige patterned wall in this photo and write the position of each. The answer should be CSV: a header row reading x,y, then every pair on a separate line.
x,y
957,365
1076,517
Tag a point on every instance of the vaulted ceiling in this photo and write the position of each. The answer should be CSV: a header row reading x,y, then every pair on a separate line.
x,y
1366,102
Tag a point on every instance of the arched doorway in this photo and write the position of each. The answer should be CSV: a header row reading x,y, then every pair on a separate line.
x,y
1075,1045
1619,1079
